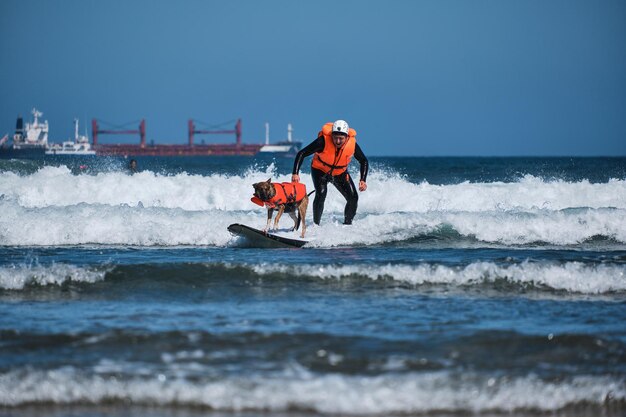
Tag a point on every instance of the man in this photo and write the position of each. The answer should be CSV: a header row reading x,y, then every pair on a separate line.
x,y
334,148
132,166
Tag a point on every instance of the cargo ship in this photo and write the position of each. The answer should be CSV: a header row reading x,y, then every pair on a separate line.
x,y
288,147
29,141
79,146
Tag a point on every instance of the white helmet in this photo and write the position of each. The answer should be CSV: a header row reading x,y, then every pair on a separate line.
x,y
341,126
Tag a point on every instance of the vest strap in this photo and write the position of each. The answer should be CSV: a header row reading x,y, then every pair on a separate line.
x,y
331,166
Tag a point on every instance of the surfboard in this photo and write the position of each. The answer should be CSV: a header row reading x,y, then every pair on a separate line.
x,y
260,239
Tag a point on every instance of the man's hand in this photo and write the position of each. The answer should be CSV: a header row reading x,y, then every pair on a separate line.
x,y
362,185
295,178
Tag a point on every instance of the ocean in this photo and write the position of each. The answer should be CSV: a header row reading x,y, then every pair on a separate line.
x,y
465,286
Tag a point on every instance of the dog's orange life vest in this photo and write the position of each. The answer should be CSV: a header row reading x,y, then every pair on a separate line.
x,y
286,192
331,160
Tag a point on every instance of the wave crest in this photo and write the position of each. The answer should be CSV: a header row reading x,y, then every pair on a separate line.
x,y
297,390
19,277
573,277
387,192
569,277
55,207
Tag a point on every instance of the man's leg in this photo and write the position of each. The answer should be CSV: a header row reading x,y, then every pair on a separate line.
x,y
346,187
320,182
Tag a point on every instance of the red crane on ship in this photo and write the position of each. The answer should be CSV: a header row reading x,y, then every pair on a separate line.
x,y
237,148
119,130
214,130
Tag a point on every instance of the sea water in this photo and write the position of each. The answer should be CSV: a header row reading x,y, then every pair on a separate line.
x,y
465,286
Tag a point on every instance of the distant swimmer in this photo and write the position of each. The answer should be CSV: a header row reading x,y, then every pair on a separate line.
x,y
132,166
334,148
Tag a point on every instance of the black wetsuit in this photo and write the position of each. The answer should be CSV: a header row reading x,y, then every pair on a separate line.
x,y
343,182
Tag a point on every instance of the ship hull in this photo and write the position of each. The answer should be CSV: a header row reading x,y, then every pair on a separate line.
x,y
153,150
21,153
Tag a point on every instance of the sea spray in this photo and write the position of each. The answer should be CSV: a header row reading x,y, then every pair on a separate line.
x,y
57,186
164,210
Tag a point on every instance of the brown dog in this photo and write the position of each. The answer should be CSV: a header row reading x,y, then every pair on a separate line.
x,y
286,197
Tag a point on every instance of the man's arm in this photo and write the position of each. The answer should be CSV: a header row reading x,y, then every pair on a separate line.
x,y
316,146
360,156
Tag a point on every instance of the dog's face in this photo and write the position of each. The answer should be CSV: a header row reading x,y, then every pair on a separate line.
x,y
264,190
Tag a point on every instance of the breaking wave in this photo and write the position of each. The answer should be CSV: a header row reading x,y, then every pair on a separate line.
x,y
387,193
55,207
569,277
19,277
299,390
575,277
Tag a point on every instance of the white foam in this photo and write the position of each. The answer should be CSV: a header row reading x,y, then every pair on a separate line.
x,y
300,390
387,192
16,277
395,194
150,226
54,207
573,277
566,227
57,186
110,225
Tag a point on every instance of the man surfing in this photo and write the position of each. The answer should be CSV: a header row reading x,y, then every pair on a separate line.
x,y
334,148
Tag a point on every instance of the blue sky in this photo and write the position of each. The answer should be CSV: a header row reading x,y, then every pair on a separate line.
x,y
412,77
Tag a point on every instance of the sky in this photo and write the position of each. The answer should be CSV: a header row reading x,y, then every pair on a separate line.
x,y
414,78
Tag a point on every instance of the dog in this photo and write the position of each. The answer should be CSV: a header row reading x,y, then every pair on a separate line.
x,y
289,197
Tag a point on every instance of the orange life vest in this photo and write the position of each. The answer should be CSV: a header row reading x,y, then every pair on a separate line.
x,y
332,160
286,192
